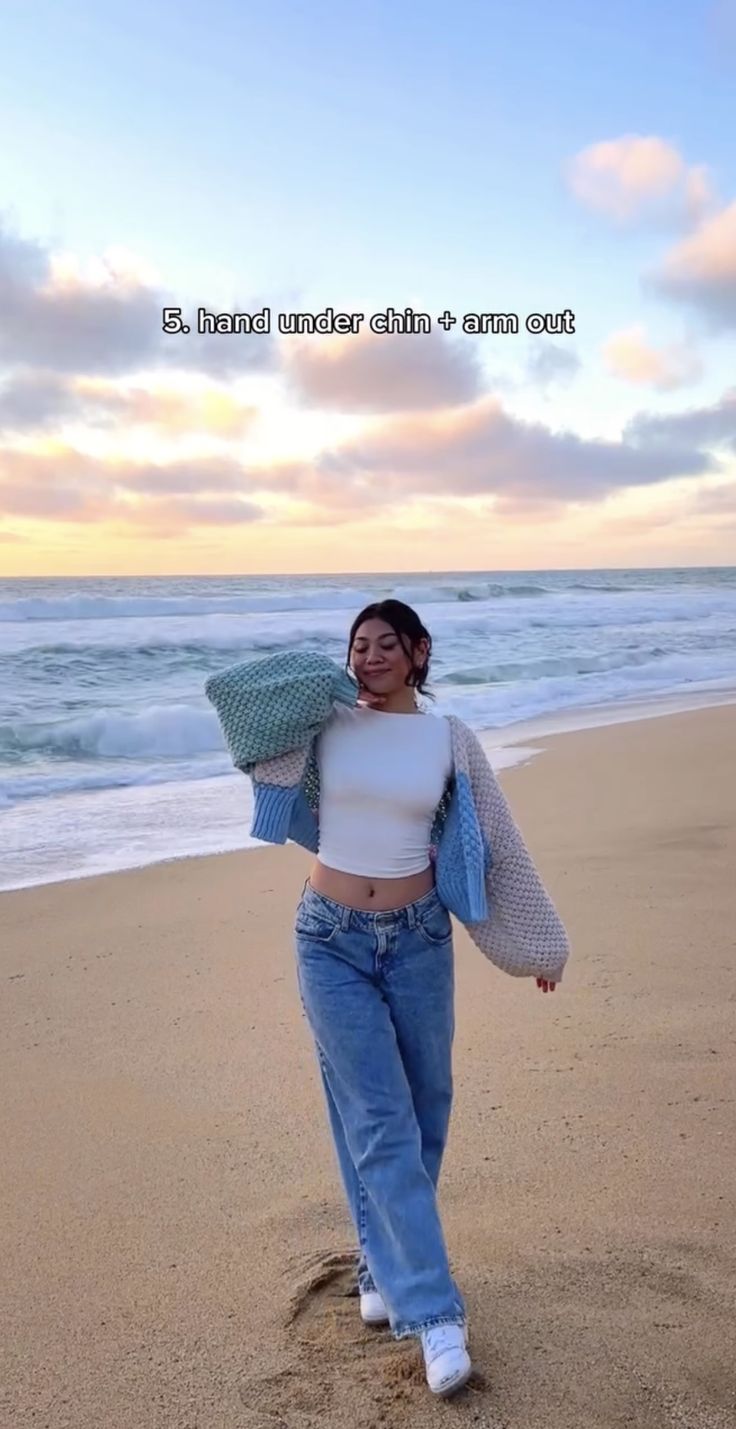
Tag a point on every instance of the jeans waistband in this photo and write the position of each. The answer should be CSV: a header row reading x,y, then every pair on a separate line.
x,y
408,915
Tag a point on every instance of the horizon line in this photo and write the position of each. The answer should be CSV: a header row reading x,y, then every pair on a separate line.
x,y
313,575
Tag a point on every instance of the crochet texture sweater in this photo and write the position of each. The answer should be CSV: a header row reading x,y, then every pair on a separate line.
x,y
271,712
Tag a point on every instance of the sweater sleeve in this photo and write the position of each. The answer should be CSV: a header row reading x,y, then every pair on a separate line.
x,y
275,705
523,934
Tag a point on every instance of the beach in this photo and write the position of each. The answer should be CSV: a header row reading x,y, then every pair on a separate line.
x,y
176,1247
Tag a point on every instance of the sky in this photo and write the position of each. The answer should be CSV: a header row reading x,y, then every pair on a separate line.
x,y
291,158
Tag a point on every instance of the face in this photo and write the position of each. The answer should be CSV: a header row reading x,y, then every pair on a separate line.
x,y
379,658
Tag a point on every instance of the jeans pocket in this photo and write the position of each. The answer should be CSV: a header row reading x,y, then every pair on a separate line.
x,y
435,925
314,927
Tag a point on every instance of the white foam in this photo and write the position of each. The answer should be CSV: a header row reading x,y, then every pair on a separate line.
x,y
80,835
496,742
46,785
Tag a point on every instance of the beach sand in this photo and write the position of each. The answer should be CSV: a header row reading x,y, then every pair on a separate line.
x,y
176,1250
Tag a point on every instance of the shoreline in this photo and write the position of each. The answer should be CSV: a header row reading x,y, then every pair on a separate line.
x,y
172,1225
507,747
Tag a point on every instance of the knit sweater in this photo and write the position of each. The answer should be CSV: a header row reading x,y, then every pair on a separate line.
x,y
271,712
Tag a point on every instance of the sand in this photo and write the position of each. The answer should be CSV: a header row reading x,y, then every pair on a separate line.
x,y
176,1250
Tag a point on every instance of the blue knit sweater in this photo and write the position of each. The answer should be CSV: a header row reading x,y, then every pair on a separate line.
x,y
272,711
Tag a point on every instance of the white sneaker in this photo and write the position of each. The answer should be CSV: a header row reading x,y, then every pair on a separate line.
x,y
446,1358
372,1308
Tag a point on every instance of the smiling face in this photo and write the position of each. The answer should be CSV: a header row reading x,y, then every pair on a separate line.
x,y
380,660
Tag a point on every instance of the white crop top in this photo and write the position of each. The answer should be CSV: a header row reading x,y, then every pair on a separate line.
x,y
382,776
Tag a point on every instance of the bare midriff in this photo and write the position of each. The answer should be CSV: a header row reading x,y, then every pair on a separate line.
x,y
376,895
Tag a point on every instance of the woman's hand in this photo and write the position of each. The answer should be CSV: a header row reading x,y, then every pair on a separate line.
x,y
545,984
366,697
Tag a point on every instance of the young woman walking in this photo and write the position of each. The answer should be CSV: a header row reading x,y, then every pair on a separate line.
x,y
408,823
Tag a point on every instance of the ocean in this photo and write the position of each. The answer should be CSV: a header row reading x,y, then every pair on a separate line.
x,y
111,757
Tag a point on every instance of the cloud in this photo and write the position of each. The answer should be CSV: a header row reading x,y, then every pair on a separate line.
x,y
213,410
40,400
717,501
392,373
639,177
50,503
483,451
331,498
701,427
34,401
701,270
107,321
548,363
628,354
198,475
189,512
66,485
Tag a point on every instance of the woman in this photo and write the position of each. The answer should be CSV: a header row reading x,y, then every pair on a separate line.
x,y
409,823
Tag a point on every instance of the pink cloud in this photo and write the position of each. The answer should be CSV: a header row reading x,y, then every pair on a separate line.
x,y
630,355
639,176
66,485
483,450
392,373
701,269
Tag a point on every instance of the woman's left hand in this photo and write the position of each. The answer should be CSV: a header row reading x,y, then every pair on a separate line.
x,y
545,984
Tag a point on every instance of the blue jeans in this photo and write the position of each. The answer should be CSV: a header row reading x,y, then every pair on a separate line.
x,y
378,993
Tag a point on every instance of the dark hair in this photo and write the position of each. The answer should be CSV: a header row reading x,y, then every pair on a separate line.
x,y
406,624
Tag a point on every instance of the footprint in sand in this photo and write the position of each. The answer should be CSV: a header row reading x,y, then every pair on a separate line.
x,y
330,1368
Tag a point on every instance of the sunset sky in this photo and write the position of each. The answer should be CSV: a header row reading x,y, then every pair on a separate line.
x,y
470,157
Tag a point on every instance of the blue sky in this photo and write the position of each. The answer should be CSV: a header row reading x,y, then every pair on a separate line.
x,y
363,155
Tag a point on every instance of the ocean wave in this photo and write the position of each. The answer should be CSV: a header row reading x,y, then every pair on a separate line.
x,y
484,590
109,750
489,706
164,733
604,588
160,732
118,607
144,607
549,667
202,643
